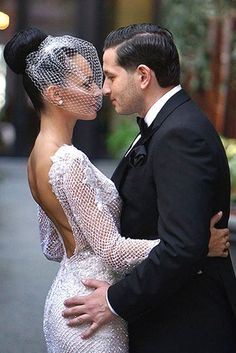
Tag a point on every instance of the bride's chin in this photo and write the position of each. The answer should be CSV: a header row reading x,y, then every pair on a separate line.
x,y
88,116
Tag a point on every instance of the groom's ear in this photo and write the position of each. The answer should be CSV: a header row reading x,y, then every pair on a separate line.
x,y
144,75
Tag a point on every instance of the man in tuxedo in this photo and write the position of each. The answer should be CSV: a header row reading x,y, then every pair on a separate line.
x,y
172,180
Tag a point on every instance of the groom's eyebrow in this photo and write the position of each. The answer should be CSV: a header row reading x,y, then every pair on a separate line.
x,y
107,73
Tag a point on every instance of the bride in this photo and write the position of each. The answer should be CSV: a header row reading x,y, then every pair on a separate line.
x,y
78,206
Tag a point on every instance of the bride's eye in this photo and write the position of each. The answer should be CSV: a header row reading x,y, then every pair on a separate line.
x,y
88,83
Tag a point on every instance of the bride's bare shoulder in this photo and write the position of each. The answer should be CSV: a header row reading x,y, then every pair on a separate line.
x,y
39,164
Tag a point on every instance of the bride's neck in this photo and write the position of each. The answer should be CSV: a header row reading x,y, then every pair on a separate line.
x,y
57,129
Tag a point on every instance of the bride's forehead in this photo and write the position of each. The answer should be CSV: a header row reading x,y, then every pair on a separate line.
x,y
81,63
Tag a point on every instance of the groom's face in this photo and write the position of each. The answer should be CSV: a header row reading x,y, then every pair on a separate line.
x,y
120,85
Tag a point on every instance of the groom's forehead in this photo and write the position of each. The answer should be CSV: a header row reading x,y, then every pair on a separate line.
x,y
110,64
110,57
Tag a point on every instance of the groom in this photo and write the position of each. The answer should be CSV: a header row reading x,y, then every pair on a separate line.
x,y
172,180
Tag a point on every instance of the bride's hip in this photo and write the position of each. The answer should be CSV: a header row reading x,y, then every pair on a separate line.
x,y
72,271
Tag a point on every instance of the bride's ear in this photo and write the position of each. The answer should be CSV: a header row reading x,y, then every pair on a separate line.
x,y
53,94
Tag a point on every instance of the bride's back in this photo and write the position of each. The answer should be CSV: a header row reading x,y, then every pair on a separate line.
x,y
39,165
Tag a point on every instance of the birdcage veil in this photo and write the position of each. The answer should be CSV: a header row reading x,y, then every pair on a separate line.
x,y
71,64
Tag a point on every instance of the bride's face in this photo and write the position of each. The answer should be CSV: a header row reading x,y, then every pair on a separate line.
x,y
81,95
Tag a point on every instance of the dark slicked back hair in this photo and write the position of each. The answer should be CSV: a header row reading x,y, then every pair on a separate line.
x,y
146,44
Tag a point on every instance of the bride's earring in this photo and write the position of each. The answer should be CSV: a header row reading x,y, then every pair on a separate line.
x,y
60,102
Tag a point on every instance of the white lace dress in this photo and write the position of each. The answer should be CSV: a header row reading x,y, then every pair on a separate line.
x,y
92,206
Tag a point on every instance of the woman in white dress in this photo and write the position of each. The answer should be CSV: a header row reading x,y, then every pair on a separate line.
x,y
78,206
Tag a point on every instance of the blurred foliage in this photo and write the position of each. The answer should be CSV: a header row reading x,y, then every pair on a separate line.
x,y
124,130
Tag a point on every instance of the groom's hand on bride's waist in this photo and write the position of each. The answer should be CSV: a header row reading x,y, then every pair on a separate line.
x,y
90,308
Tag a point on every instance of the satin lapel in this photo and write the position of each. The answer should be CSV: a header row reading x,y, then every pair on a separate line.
x,y
120,170
175,101
178,99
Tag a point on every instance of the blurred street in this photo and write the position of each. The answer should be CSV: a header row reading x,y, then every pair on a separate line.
x,y
25,275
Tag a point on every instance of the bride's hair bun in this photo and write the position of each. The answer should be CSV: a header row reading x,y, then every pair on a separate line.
x,y
22,44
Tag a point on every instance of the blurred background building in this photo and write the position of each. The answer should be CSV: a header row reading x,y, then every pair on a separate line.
x,y
205,33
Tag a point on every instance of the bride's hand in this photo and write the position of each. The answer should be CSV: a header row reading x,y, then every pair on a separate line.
x,y
219,241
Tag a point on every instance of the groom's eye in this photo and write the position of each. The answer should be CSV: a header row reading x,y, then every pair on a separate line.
x,y
111,78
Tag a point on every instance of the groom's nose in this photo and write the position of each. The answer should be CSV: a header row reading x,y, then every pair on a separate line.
x,y
106,90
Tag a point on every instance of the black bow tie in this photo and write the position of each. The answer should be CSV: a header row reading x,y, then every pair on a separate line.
x,y
142,125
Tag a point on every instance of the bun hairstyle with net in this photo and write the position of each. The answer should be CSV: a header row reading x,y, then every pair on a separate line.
x,y
72,66
20,46
66,65
15,52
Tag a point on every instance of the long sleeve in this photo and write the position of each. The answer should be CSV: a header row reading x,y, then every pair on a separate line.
x,y
86,192
50,242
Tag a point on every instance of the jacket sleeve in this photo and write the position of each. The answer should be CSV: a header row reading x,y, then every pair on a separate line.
x,y
184,174
98,224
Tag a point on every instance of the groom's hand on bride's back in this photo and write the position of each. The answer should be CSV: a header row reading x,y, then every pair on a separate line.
x,y
91,308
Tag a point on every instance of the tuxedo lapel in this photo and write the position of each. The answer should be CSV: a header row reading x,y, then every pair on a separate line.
x,y
175,101
120,172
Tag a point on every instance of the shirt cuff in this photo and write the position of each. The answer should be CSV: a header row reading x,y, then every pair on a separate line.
x,y
109,305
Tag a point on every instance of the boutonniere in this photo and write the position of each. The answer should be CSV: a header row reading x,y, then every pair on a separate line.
x,y
137,156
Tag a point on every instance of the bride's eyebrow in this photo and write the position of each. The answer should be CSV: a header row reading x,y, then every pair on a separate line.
x,y
87,81
85,77
88,78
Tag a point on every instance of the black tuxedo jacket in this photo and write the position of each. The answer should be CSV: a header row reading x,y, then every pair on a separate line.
x,y
172,182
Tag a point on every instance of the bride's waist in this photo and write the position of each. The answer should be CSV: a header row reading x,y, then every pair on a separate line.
x,y
85,263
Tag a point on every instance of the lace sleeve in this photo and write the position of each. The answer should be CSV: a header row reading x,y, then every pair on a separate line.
x,y
50,242
96,221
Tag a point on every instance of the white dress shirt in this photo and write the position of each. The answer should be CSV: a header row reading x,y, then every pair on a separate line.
x,y
155,109
149,118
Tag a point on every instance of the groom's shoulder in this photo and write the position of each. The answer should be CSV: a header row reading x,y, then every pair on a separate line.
x,y
188,122
189,115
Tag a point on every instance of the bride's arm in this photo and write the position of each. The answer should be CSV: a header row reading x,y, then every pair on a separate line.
x,y
97,222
